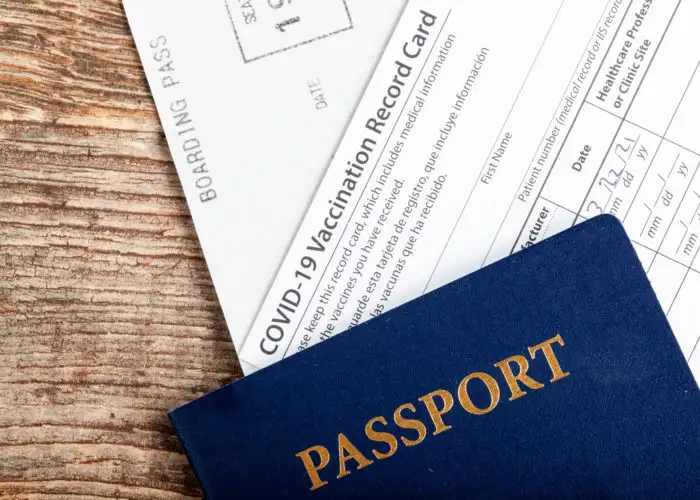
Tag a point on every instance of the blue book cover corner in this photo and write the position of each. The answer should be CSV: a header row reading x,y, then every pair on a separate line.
x,y
550,374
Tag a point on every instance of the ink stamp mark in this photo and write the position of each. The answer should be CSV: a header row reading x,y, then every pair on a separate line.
x,y
267,27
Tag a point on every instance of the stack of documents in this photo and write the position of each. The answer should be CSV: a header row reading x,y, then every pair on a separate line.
x,y
342,158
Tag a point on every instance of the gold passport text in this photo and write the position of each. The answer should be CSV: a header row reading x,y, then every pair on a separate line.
x,y
512,371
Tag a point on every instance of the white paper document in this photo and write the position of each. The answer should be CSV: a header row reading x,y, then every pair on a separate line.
x,y
487,127
254,96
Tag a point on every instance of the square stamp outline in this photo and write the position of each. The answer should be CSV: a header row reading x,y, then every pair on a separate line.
x,y
246,60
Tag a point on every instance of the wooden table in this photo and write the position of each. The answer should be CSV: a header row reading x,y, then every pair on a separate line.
x,y
108,317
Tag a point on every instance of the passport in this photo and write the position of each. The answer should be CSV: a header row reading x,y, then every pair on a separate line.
x,y
550,374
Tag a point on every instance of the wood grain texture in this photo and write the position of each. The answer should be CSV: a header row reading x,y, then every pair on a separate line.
x,y
108,317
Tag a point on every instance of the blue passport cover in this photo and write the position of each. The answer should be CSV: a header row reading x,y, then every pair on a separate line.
x,y
551,374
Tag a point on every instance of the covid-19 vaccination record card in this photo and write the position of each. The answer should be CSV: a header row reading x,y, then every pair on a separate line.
x,y
487,127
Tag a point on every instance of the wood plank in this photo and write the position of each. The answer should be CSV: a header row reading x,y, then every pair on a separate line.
x,y
108,317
